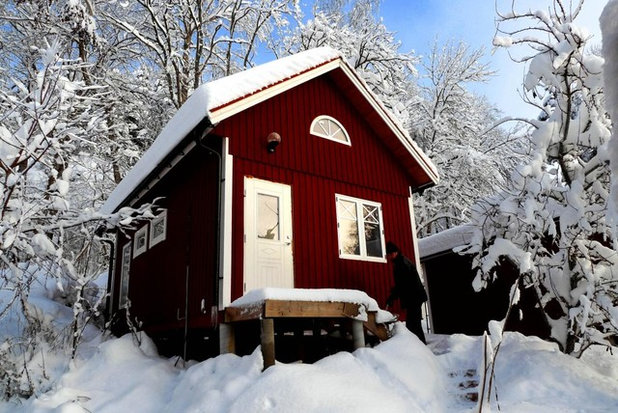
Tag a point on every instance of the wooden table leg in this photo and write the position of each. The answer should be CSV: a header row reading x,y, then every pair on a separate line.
x,y
227,339
358,334
268,342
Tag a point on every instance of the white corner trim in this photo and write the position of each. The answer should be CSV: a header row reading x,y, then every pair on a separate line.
x,y
417,258
225,263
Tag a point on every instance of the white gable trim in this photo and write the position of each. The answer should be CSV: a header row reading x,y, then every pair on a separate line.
x,y
401,134
219,114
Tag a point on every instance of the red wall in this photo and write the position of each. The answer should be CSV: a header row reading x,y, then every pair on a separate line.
x,y
157,283
317,169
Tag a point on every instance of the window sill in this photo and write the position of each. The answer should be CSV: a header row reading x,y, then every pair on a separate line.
x,y
360,258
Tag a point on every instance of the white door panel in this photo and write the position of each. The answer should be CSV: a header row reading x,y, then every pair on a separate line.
x,y
268,260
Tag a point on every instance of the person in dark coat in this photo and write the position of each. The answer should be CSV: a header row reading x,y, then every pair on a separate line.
x,y
408,289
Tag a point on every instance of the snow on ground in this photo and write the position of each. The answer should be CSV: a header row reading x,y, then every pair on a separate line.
x,y
400,375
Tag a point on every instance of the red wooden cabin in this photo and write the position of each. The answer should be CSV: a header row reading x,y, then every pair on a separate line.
x,y
290,174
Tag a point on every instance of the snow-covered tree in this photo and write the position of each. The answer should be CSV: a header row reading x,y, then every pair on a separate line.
x,y
455,128
353,28
551,221
121,97
54,118
609,27
192,41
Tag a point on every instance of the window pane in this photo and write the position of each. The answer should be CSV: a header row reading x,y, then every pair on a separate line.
x,y
141,241
338,135
268,217
373,240
349,241
348,237
124,274
330,129
370,214
346,210
158,228
324,127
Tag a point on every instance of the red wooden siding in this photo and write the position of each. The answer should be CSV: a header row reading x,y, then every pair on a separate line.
x,y
317,169
157,281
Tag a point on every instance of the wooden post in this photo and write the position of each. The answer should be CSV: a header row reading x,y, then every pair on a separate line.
x,y
358,334
227,340
268,342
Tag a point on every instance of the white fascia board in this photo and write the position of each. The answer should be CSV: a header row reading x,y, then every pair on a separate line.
x,y
219,114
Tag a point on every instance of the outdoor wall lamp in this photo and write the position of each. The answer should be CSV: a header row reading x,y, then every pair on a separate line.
x,y
272,141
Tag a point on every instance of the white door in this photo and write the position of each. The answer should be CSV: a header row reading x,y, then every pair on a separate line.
x,y
268,260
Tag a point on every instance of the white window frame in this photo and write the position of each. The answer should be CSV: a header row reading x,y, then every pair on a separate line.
x,y
155,240
125,269
142,232
327,136
360,222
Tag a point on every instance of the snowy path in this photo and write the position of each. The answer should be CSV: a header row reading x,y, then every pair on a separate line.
x,y
460,362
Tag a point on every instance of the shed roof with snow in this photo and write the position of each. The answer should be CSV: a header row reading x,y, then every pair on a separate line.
x,y
445,241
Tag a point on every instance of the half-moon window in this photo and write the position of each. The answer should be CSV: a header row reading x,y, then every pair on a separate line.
x,y
329,128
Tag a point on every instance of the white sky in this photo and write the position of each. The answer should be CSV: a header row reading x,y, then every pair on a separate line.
x,y
419,22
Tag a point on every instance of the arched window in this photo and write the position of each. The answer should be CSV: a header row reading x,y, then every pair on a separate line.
x,y
329,128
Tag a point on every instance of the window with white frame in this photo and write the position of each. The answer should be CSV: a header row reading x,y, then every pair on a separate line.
x,y
140,241
329,128
360,229
125,267
158,228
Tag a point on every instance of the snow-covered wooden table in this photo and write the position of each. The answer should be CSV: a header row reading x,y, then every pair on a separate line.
x,y
270,304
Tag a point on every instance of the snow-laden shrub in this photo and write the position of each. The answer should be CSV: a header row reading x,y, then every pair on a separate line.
x,y
551,221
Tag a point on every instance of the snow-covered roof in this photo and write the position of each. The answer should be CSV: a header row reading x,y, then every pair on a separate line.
x,y
222,98
445,240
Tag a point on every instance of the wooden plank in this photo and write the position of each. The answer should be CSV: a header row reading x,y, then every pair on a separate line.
x,y
267,340
317,309
379,330
227,339
233,314
292,309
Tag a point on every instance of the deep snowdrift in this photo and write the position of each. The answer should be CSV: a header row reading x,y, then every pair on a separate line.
x,y
400,375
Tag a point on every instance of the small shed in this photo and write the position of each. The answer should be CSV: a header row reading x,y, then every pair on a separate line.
x,y
291,174
454,305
